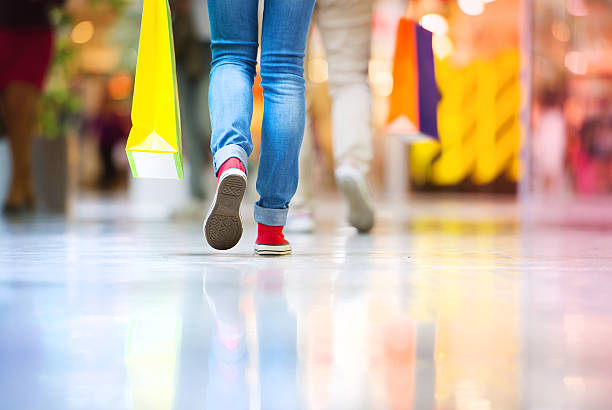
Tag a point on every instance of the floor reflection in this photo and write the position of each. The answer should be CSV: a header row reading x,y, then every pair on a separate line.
x,y
456,307
256,372
277,344
227,386
151,354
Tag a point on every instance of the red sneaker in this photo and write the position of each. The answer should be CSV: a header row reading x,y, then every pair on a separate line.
x,y
271,241
223,226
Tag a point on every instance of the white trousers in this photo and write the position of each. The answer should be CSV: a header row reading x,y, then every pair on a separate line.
x,y
346,27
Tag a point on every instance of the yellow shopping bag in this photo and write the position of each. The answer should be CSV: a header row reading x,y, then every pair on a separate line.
x,y
154,144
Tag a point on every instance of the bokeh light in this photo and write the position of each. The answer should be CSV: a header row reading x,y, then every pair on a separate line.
x,y
577,8
120,86
442,46
82,32
434,23
471,7
561,31
576,62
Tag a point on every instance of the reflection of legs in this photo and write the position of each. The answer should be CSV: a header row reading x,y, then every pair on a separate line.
x,y
352,334
346,30
227,386
277,341
19,106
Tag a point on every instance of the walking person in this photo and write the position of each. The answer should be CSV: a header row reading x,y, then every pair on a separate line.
x,y
192,50
345,27
234,32
26,45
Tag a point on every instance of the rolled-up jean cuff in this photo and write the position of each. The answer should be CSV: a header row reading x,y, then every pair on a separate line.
x,y
227,152
270,217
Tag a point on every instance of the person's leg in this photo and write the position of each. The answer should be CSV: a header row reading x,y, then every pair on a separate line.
x,y
346,30
27,54
301,215
300,218
204,112
234,31
194,143
106,158
193,95
285,27
283,41
19,101
234,46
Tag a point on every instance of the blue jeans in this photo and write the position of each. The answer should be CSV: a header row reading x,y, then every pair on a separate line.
x,y
234,31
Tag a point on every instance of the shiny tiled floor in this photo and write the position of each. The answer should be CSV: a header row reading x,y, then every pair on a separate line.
x,y
449,304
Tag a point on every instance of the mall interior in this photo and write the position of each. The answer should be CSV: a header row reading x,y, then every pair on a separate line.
x,y
485,283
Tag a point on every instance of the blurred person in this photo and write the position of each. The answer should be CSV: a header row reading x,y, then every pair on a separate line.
x,y
193,55
549,144
26,46
592,153
111,127
234,29
346,27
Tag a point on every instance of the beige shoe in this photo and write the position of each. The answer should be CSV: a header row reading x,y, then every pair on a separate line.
x,y
353,185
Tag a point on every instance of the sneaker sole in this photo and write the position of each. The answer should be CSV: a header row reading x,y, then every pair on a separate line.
x,y
361,215
223,226
273,250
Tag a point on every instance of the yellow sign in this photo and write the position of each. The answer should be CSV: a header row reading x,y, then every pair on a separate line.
x,y
479,125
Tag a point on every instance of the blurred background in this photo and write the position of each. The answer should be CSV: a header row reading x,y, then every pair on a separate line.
x,y
453,302
526,108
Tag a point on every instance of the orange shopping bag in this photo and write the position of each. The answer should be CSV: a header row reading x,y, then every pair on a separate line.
x,y
413,112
